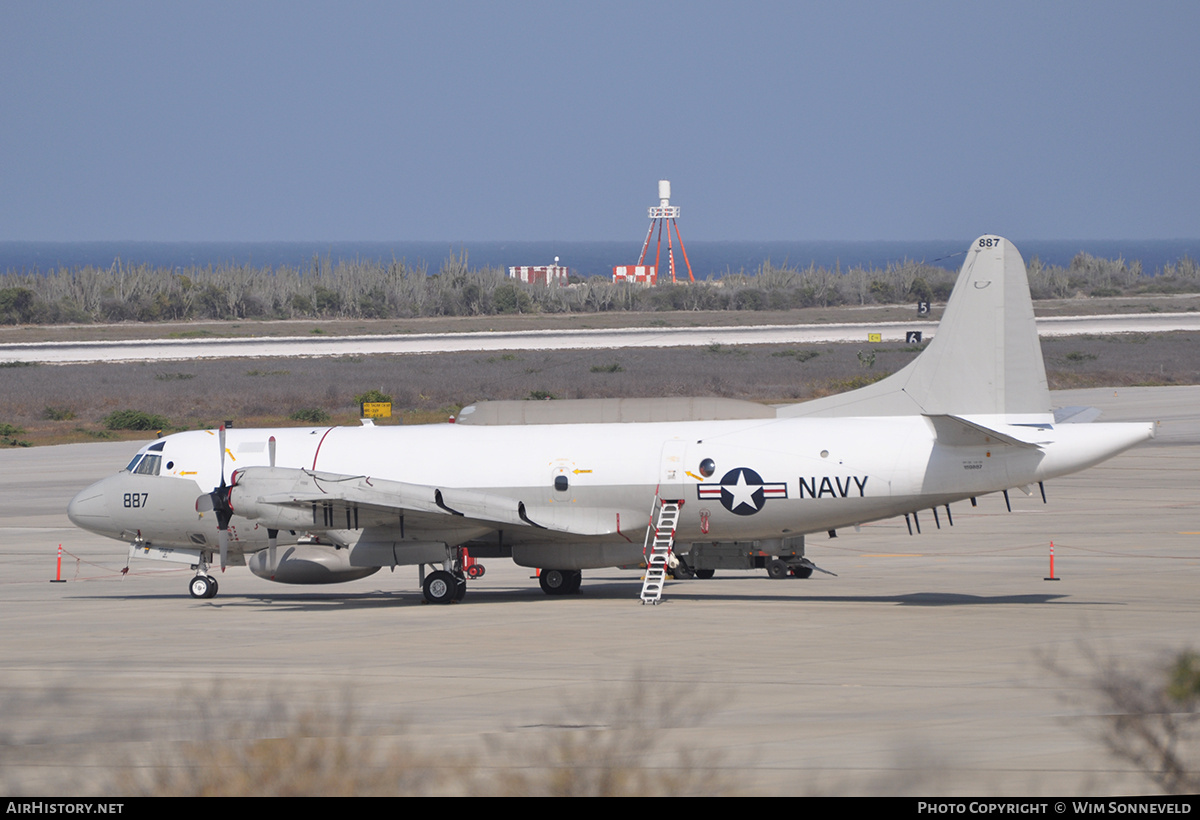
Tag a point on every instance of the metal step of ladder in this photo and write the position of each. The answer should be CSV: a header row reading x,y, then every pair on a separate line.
x,y
660,537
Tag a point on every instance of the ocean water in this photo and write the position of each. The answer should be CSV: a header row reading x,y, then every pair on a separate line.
x,y
584,258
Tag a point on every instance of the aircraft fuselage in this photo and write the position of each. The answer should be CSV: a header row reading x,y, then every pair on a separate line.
x,y
739,480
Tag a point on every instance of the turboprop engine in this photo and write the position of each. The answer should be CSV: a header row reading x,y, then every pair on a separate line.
x,y
306,564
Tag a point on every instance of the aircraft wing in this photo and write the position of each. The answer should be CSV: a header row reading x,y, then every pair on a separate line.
x,y
288,498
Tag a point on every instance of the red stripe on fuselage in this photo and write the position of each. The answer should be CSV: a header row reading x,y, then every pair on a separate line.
x,y
319,443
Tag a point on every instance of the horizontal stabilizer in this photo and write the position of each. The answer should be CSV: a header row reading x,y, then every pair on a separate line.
x,y
1076,415
954,431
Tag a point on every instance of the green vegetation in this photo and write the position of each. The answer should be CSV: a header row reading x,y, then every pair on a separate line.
x,y
312,415
134,420
193,334
541,395
173,377
798,355
58,414
9,433
372,396
375,290
842,385
1183,685
615,367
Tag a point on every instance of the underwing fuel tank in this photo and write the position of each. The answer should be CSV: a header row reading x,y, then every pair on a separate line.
x,y
306,564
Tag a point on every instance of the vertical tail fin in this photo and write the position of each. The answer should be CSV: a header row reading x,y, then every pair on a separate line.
x,y
984,359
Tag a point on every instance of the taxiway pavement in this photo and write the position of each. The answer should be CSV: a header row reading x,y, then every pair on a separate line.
x,y
607,338
923,668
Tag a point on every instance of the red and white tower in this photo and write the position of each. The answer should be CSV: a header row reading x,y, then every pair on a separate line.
x,y
658,217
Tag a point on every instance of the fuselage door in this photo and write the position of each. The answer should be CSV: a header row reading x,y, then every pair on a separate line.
x,y
672,469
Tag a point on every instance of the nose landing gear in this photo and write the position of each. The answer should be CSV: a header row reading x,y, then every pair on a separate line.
x,y
203,586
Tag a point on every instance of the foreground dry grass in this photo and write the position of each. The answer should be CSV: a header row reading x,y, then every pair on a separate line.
x,y
61,403
216,743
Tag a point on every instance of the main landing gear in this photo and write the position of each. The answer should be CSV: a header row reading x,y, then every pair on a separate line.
x,y
560,581
448,585
442,587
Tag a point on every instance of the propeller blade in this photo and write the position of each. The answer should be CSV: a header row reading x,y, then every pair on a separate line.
x,y
221,438
271,450
218,502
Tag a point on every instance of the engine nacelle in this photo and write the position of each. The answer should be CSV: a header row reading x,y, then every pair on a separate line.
x,y
577,556
306,564
251,484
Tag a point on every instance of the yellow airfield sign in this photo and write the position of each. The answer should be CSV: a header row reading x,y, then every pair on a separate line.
x,y
376,409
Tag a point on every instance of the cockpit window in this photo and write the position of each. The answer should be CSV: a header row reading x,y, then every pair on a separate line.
x,y
132,463
149,465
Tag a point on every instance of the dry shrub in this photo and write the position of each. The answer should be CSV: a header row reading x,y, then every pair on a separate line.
x,y
625,748
1149,717
282,751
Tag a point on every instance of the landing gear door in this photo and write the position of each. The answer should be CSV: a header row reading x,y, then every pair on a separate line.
x,y
672,470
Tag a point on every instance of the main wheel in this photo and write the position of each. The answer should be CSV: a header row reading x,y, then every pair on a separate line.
x,y
555,581
705,574
574,579
802,572
440,587
778,569
202,587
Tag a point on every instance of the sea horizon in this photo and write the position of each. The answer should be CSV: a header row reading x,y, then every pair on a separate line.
x,y
708,258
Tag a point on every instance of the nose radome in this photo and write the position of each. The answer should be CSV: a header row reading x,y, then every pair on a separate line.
x,y
89,509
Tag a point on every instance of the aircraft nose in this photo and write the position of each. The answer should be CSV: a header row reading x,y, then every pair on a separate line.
x,y
89,509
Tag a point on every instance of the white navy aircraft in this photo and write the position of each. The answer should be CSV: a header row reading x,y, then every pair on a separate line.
x,y
570,485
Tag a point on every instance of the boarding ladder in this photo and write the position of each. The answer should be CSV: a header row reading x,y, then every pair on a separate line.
x,y
660,537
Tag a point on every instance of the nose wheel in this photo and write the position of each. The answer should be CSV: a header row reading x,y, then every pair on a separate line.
x,y
203,586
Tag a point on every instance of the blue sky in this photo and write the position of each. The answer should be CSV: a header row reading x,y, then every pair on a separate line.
x,y
468,121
